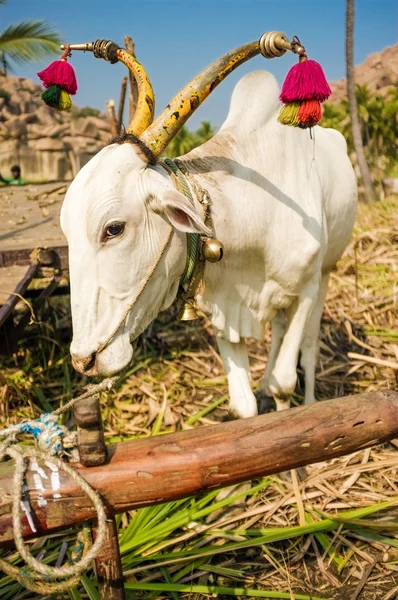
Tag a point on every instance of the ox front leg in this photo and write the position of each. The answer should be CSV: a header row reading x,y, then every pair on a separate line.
x,y
283,377
242,402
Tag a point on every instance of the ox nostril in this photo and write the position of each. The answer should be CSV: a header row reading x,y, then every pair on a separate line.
x,y
90,361
84,365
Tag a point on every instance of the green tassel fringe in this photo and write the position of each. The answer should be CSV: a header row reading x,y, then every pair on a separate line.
x,y
51,96
57,98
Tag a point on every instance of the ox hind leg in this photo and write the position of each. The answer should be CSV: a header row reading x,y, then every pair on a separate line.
x,y
242,402
283,377
263,393
309,347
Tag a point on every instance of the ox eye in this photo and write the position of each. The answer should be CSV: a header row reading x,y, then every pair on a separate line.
x,y
113,230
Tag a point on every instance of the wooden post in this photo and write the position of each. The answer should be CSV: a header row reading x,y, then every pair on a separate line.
x,y
108,565
121,104
167,467
90,434
133,96
110,107
92,452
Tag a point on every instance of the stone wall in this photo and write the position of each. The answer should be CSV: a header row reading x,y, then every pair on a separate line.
x,y
48,145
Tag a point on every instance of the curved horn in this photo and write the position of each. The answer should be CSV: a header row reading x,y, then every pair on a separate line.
x,y
145,109
161,132
111,52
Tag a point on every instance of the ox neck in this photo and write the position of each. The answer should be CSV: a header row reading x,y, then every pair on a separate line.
x,y
193,239
194,267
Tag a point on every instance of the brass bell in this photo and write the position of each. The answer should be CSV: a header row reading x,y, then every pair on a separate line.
x,y
188,313
213,250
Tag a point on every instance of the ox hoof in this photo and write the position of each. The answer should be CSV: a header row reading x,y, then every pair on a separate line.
x,y
233,414
230,416
265,403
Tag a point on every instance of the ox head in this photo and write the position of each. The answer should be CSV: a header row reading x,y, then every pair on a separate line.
x,y
125,224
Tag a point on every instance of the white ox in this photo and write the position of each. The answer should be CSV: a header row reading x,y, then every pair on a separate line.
x,y
283,205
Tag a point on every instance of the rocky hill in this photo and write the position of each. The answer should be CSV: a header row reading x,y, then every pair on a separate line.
x,y
379,72
49,145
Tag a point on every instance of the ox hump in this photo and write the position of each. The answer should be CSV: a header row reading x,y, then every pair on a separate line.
x,y
254,101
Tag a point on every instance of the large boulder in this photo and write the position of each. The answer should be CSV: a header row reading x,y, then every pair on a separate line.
x,y
53,131
85,127
16,128
49,145
378,72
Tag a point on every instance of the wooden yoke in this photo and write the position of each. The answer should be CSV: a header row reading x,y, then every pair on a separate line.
x,y
162,468
167,467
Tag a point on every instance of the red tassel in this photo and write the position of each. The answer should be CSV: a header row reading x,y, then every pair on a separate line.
x,y
60,73
305,81
310,113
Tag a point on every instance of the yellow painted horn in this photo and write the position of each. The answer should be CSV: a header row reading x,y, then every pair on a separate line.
x,y
144,112
111,52
161,132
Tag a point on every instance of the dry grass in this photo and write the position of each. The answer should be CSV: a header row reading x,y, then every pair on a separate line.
x,y
178,373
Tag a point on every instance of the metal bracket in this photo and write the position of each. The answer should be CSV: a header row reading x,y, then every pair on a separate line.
x,y
275,43
105,49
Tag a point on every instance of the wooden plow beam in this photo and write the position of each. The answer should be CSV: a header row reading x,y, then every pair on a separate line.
x,y
48,263
166,467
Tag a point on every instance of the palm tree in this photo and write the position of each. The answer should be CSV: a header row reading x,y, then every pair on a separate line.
x,y
186,140
204,132
355,125
182,143
26,41
378,121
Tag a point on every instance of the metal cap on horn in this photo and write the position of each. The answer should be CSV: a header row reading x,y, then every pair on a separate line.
x,y
111,52
161,132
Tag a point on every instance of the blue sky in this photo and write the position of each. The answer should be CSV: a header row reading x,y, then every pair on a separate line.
x,y
175,39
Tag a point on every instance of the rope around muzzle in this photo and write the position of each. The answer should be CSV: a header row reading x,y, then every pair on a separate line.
x,y
138,294
52,440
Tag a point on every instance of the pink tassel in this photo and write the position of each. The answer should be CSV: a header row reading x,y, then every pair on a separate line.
x,y
305,81
60,73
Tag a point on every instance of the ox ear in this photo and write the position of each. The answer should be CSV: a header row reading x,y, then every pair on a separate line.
x,y
181,214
